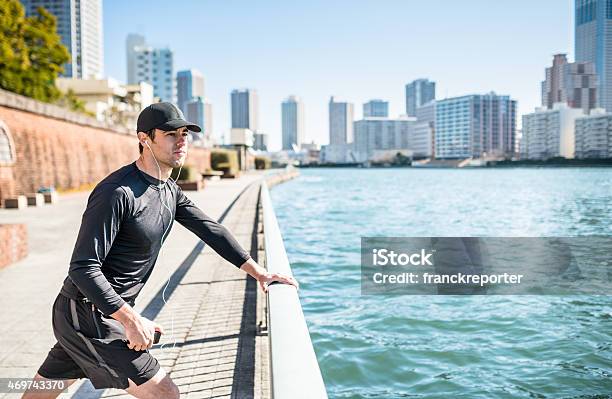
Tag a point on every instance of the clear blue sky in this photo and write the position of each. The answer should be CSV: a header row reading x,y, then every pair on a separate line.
x,y
357,50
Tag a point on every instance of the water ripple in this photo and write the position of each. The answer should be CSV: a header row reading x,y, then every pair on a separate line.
x,y
435,347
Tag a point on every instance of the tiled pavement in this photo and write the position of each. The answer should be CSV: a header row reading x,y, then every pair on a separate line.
x,y
218,314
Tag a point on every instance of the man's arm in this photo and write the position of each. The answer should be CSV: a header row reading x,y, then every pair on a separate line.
x,y
139,330
221,240
107,206
213,233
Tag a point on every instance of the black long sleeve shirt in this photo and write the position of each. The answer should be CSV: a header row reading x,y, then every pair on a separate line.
x,y
128,216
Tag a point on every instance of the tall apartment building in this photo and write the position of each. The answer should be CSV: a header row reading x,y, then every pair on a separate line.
x,y
244,109
376,133
593,135
292,110
79,24
340,122
572,83
475,126
423,136
549,133
152,65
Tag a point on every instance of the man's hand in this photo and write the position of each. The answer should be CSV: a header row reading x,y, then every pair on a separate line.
x,y
260,274
267,278
139,331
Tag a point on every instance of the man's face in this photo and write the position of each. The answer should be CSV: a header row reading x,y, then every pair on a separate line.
x,y
170,147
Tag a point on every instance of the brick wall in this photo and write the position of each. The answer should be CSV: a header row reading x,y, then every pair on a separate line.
x,y
13,243
65,152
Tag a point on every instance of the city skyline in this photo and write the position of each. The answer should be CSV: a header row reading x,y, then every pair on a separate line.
x,y
283,56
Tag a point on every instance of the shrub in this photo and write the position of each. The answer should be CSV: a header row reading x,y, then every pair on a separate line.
x,y
263,163
188,173
225,161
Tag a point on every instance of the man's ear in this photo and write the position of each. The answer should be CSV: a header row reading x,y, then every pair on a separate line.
x,y
142,136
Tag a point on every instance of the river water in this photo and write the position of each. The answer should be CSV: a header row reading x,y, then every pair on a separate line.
x,y
446,346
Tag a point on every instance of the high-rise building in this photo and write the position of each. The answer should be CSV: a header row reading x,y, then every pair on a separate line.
x,y
260,141
152,65
292,122
376,108
549,133
572,83
244,109
189,85
132,42
423,138
418,93
194,112
340,122
475,126
199,111
593,43
375,133
593,135
427,113
79,23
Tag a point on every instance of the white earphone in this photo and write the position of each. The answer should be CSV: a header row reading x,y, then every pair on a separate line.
x,y
167,206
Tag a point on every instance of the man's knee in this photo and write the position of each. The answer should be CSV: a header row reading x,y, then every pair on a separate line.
x,y
160,386
167,389
171,390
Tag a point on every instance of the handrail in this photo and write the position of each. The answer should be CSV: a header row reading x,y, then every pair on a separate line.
x,y
294,367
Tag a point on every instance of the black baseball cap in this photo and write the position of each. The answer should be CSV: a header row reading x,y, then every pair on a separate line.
x,y
164,116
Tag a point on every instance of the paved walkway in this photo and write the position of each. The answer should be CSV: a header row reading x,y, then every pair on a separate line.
x,y
219,348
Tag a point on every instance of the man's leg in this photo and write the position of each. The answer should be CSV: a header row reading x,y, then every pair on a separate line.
x,y
45,394
160,386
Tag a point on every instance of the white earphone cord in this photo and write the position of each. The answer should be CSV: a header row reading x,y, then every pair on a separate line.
x,y
167,206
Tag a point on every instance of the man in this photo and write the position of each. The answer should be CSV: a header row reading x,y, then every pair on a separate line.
x,y
128,216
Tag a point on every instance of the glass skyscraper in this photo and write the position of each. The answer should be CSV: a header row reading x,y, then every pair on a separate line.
x,y
418,93
378,108
244,109
593,41
189,85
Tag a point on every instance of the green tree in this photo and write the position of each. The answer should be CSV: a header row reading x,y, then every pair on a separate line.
x,y
31,52
47,56
13,52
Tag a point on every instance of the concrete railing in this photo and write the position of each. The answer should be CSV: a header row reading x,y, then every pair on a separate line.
x,y
294,367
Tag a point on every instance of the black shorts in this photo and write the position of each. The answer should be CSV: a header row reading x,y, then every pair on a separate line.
x,y
92,345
